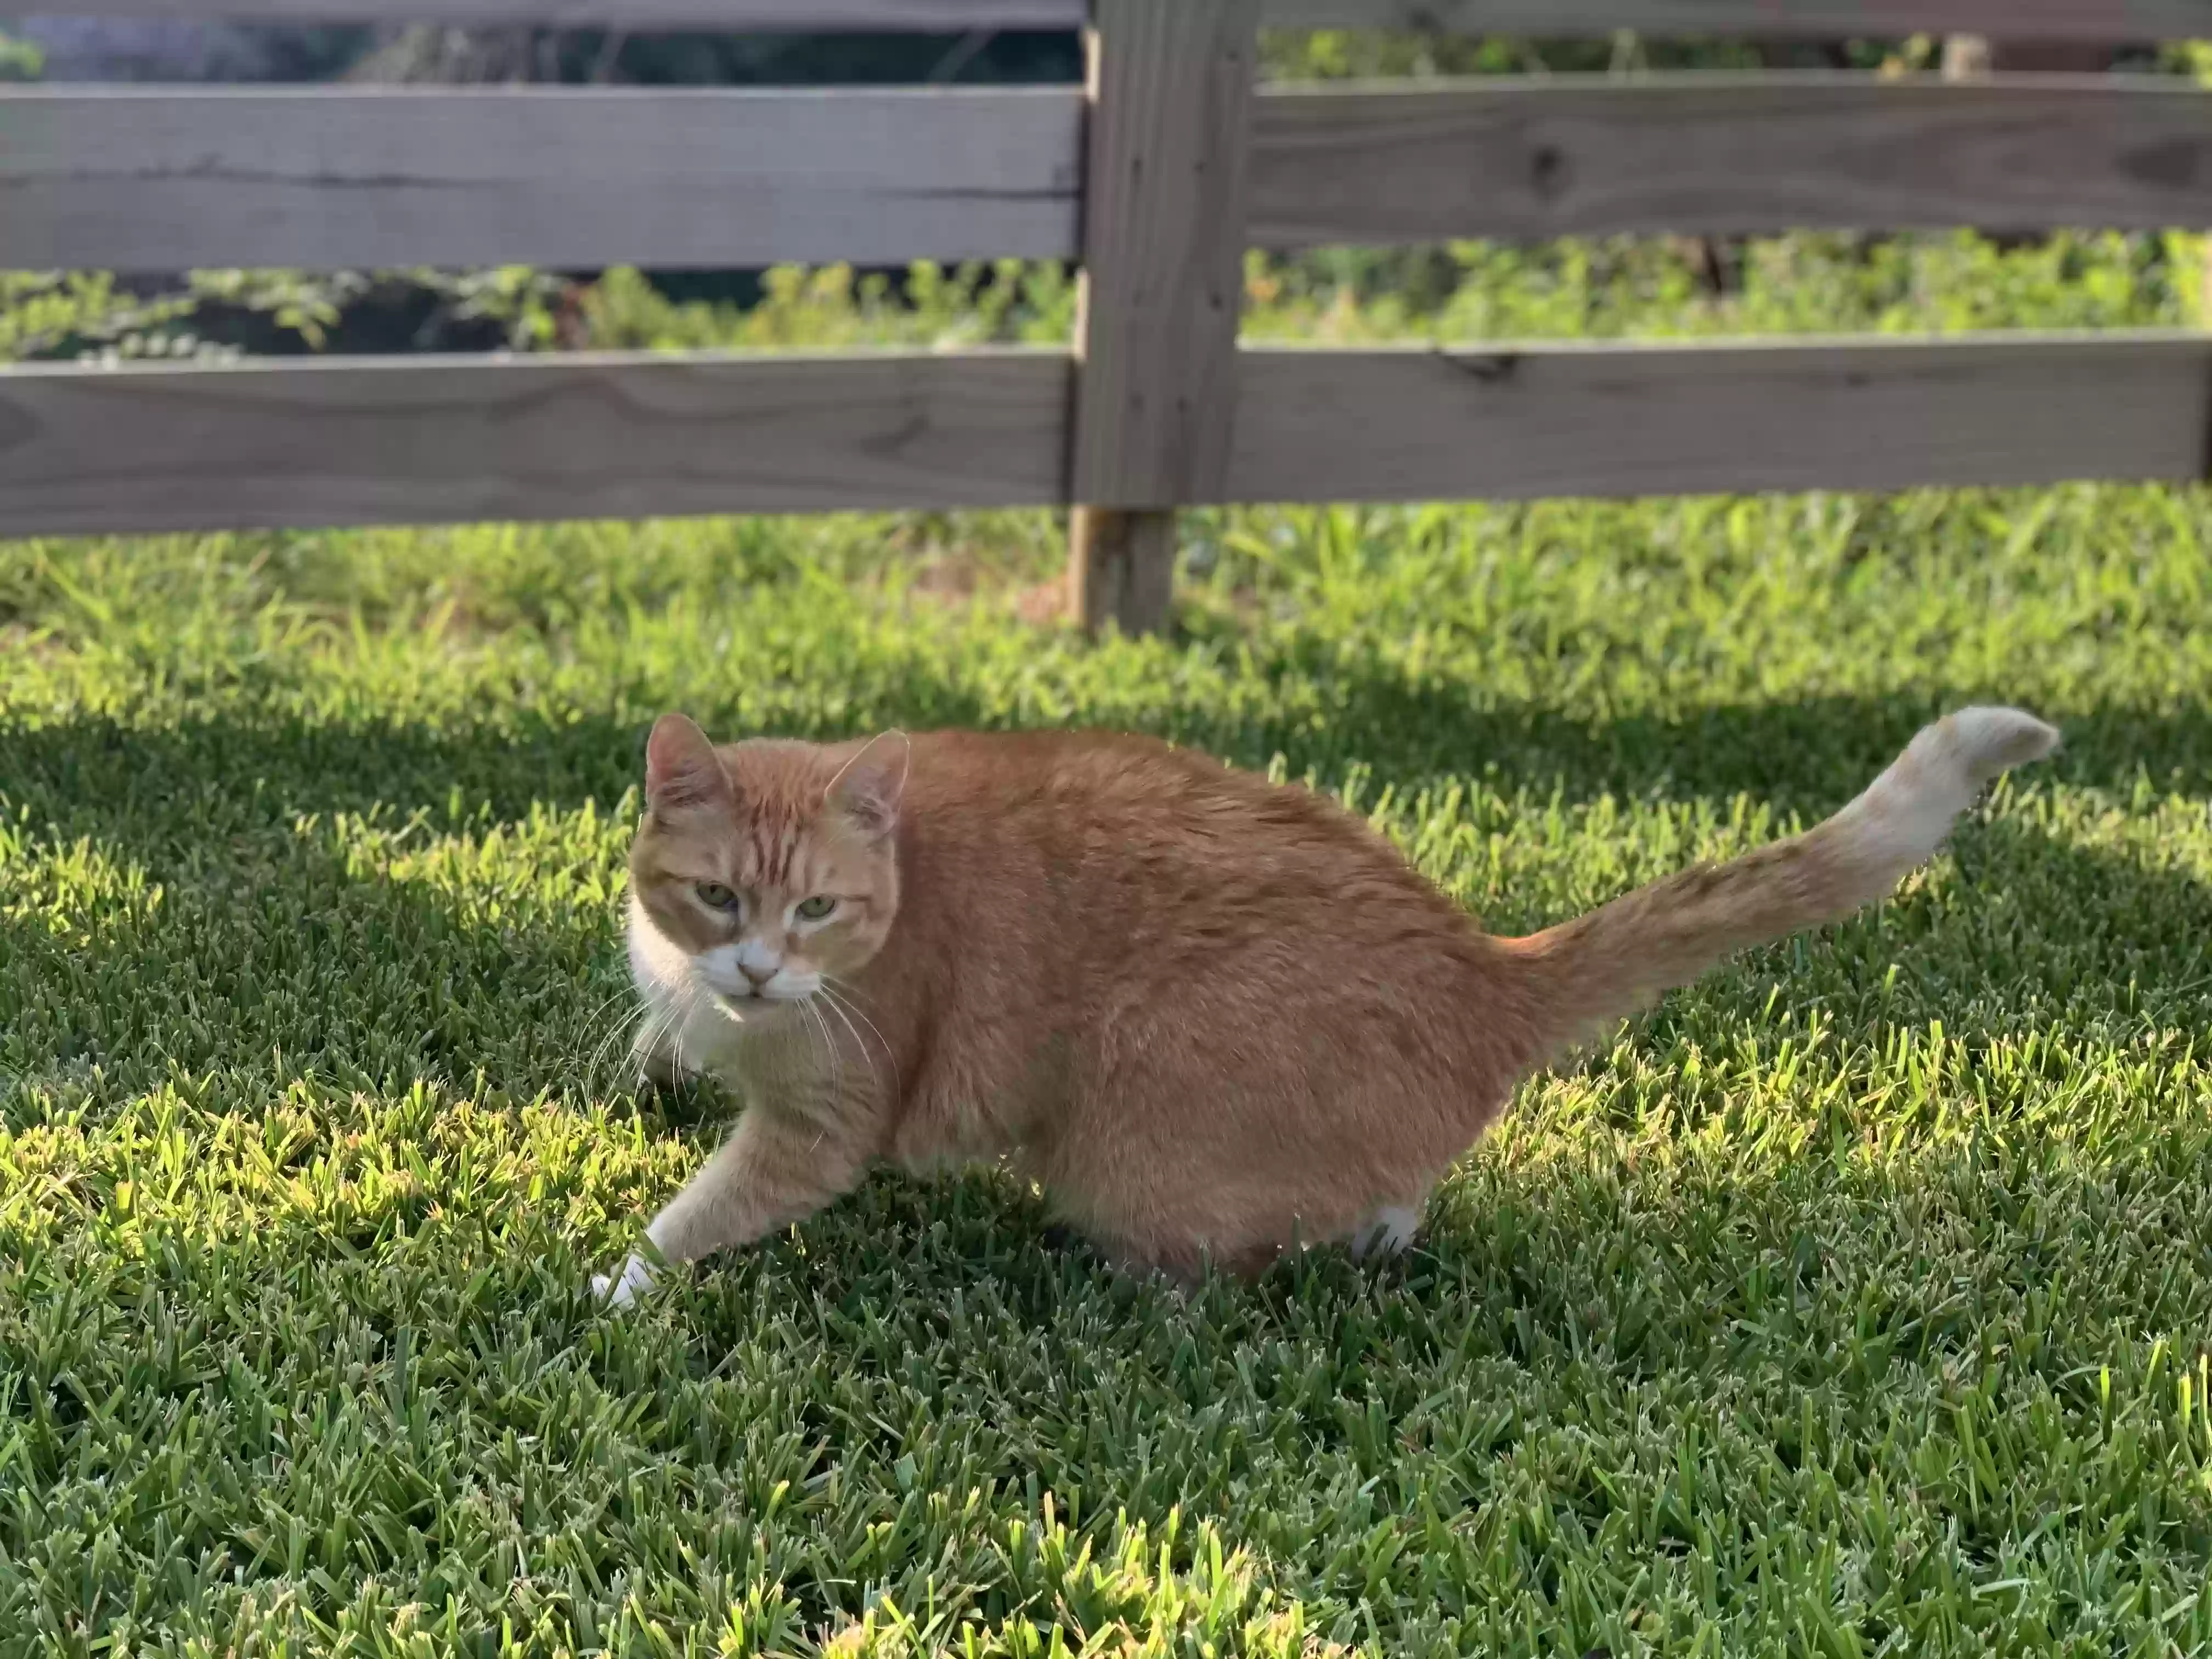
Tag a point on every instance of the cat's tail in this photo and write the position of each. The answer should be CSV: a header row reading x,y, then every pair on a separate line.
x,y
1605,964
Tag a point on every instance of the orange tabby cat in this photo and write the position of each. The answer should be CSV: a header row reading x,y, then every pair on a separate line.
x,y
1215,1018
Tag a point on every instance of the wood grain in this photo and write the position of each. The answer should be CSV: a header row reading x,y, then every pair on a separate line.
x,y
2023,20
1633,420
1727,153
1122,563
1163,247
928,15
399,441
326,179
1170,91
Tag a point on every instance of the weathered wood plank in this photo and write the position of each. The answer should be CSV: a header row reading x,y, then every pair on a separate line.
x,y
403,441
1170,91
1720,154
134,180
2022,20
918,16
1630,420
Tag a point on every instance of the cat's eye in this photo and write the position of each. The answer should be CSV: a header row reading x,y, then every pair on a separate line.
x,y
715,896
816,908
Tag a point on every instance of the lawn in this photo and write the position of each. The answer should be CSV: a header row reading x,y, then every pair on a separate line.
x,y
1856,1300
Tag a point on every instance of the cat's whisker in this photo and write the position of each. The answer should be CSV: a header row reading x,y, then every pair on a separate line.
x,y
837,1007
600,1010
656,1024
824,1000
660,1021
890,1055
851,992
598,1060
606,1064
695,993
844,997
828,1041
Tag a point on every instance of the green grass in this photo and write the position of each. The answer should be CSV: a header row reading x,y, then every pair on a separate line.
x,y
1855,1301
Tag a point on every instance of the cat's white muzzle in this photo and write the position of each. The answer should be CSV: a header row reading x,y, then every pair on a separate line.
x,y
748,972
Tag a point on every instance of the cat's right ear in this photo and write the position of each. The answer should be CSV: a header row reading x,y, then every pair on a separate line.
x,y
682,770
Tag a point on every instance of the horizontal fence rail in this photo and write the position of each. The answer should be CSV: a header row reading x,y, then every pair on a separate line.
x,y
1729,154
2026,19
157,448
131,179
457,439
1414,424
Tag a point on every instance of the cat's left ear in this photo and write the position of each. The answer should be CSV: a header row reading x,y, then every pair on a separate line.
x,y
869,788
682,770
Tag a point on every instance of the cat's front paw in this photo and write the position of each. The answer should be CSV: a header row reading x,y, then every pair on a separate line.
x,y
620,1290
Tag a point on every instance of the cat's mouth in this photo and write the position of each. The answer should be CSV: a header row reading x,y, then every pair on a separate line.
x,y
753,1004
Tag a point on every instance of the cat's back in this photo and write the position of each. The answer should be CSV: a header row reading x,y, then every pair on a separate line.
x,y
1086,772
1132,811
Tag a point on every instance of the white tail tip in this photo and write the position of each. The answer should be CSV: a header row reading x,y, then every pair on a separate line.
x,y
1909,810
1988,741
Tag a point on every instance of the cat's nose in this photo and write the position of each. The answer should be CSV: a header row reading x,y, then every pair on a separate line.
x,y
757,977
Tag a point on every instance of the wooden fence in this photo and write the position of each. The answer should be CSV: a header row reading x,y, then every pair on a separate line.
x,y
1157,176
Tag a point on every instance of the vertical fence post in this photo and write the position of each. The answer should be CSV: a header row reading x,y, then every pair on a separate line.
x,y
1170,92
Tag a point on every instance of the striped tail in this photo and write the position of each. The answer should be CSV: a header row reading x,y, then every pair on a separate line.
x,y
1608,964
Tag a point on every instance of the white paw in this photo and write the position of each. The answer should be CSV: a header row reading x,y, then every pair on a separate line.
x,y
1389,1231
619,1292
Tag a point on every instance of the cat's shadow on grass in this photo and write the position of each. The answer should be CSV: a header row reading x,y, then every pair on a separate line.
x,y
1580,1267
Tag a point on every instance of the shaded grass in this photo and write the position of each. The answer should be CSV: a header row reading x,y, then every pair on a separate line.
x,y
1855,1301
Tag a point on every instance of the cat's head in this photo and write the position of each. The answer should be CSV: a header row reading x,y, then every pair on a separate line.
x,y
769,864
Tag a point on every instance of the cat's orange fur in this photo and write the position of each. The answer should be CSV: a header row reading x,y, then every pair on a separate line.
x,y
1213,1016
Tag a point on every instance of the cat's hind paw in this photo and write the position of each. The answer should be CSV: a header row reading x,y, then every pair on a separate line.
x,y
620,1290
